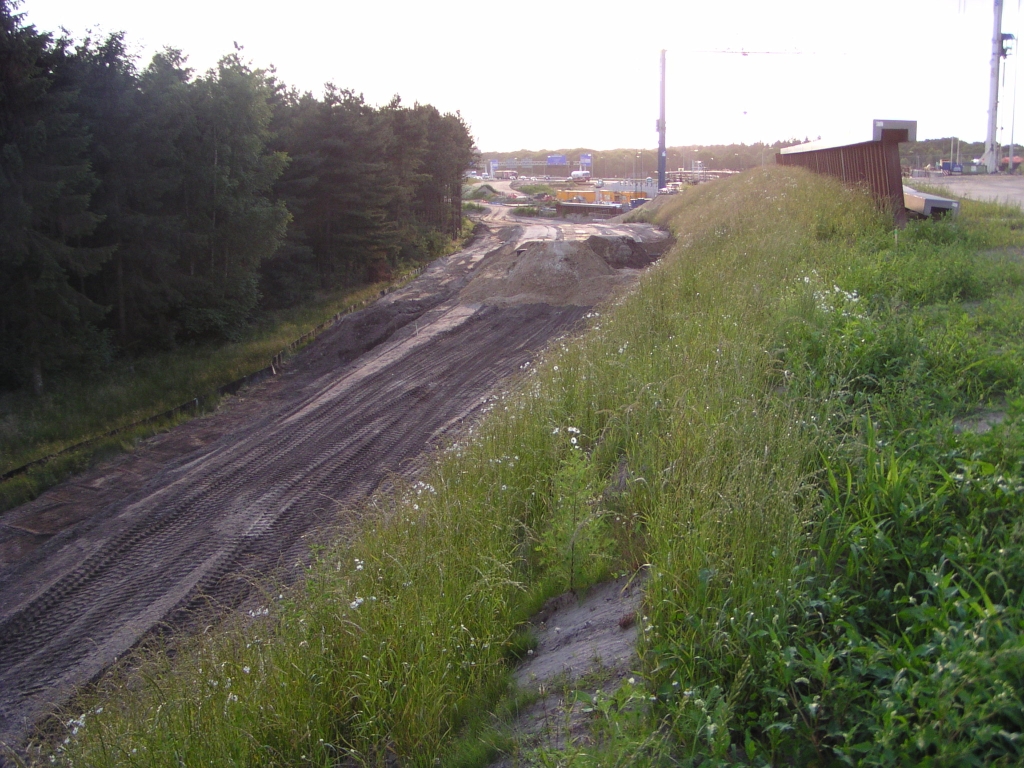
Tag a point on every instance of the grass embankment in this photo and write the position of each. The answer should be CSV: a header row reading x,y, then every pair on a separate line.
x,y
77,409
768,422
536,189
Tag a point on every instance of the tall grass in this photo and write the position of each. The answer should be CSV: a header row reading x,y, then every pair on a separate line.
x,y
892,632
683,431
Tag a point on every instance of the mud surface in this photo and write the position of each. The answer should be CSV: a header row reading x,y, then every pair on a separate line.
x,y
92,565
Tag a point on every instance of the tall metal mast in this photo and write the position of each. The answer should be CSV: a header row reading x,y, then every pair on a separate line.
x,y
661,129
991,157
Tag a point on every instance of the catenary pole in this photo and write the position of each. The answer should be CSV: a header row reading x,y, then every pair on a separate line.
x,y
661,129
991,157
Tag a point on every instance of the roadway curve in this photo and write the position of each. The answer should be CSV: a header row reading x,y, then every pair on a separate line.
x,y
92,565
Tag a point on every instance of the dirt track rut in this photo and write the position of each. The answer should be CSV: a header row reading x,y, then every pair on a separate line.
x,y
90,567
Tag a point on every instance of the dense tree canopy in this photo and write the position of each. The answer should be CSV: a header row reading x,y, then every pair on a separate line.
x,y
142,208
45,188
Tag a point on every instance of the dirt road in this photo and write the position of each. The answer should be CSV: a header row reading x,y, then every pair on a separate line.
x,y
93,565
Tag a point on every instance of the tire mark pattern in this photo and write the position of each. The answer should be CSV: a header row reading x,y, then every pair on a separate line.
x,y
243,502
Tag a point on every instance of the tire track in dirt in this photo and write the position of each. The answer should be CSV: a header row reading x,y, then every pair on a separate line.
x,y
240,504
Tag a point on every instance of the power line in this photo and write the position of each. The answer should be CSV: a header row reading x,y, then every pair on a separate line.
x,y
744,52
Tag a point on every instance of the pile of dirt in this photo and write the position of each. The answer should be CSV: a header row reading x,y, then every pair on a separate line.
x,y
625,252
559,273
482,192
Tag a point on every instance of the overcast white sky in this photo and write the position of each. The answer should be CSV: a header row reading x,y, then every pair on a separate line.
x,y
585,74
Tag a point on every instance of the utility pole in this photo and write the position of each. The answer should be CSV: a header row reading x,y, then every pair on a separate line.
x,y
991,157
661,129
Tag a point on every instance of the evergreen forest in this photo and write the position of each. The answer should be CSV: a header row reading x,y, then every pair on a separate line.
x,y
142,208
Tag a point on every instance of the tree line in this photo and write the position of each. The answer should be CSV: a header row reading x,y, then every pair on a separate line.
x,y
932,152
143,208
640,163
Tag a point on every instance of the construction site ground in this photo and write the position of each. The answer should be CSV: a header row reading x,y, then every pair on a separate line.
x,y
193,516
999,188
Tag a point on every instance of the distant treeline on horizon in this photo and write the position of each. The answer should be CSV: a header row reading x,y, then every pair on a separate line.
x,y
639,163
143,208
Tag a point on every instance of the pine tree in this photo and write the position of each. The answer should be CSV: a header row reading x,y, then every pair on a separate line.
x,y
46,320
449,151
290,276
232,223
339,145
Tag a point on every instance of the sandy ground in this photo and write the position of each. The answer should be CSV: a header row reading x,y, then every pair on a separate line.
x,y
586,645
1002,189
91,566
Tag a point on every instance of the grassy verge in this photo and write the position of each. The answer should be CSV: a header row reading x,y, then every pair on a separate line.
x,y
768,423
536,189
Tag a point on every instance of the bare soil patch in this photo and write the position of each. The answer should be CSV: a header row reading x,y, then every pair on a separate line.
x,y
980,421
584,644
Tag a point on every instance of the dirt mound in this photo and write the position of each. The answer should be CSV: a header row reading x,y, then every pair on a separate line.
x,y
560,273
483,192
620,252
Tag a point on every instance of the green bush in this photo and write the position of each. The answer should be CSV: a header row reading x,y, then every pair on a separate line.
x,y
536,189
526,210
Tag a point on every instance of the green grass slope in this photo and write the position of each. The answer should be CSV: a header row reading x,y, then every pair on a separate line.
x,y
773,425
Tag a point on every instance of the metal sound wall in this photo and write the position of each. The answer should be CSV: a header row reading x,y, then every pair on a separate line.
x,y
871,164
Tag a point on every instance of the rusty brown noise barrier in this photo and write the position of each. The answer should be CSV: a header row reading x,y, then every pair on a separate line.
x,y
196,404
874,165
